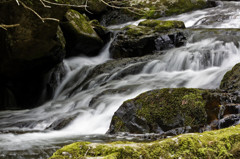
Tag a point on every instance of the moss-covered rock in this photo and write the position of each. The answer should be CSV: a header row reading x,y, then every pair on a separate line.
x,y
149,36
231,80
151,9
160,111
213,144
80,35
32,40
29,50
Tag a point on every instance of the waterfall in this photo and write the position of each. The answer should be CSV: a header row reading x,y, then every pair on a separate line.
x,y
85,101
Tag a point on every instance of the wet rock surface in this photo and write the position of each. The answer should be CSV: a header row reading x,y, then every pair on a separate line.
x,y
147,37
167,110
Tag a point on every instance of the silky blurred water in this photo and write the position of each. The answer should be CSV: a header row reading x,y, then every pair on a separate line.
x,y
198,64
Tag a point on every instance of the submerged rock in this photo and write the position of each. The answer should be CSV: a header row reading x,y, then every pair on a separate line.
x,y
147,37
213,144
80,35
159,111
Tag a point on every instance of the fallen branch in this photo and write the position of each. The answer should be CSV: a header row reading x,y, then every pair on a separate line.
x,y
45,4
17,2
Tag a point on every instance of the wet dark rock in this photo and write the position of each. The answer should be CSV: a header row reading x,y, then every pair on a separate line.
x,y
51,82
167,111
102,31
80,36
148,37
61,123
111,70
30,90
229,120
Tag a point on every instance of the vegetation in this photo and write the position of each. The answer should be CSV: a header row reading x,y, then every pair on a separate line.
x,y
213,144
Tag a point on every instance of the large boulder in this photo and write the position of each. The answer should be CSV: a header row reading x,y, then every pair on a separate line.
x,y
33,45
80,36
163,110
147,37
213,144
28,50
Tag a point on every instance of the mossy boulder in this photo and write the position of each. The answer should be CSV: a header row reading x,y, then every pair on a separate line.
x,y
28,51
231,80
151,9
160,111
213,144
80,35
33,44
146,38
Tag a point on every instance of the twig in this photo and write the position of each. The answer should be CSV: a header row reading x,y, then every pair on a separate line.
x,y
131,9
4,26
86,7
87,152
67,5
17,2
42,19
45,4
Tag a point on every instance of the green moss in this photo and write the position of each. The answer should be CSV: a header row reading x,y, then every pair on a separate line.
x,y
135,31
75,150
222,143
235,151
79,22
231,80
169,105
119,124
159,25
151,26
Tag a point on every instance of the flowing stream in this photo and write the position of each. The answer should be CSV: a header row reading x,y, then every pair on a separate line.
x,y
86,99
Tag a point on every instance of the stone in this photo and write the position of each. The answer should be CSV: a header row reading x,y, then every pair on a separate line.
x,y
80,35
222,143
159,111
146,38
28,51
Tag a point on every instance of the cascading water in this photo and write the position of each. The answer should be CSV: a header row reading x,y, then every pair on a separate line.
x,y
87,98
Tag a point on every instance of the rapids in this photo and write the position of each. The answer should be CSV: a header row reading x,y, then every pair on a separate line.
x,y
84,103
